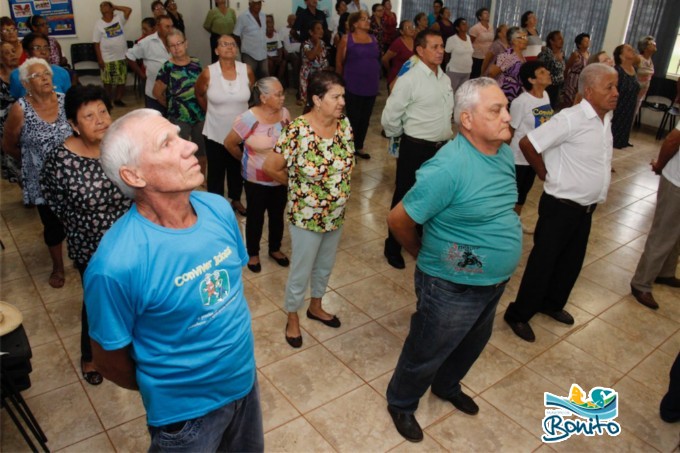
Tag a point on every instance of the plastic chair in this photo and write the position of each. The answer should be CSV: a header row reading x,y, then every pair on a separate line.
x,y
84,53
654,103
669,117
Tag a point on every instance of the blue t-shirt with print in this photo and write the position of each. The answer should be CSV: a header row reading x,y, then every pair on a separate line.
x,y
176,297
464,199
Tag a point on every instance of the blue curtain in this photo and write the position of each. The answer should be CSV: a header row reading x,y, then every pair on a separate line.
x,y
659,18
461,8
569,16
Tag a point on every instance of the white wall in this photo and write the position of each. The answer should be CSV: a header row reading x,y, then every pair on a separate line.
x,y
617,24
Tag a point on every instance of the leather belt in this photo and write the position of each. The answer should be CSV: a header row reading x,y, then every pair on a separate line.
x,y
420,141
586,209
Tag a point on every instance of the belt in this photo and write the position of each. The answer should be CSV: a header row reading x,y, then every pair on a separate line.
x,y
586,209
420,141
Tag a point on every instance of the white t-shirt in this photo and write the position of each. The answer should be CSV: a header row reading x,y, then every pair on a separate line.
x,y
461,54
273,44
111,38
483,39
672,169
289,43
527,112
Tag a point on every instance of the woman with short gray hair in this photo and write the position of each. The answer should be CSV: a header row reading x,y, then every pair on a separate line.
x,y
506,68
645,69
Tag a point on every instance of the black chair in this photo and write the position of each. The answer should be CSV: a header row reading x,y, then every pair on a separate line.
x,y
670,116
84,53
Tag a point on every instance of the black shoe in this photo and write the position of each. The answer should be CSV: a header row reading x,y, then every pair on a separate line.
x,y
463,403
283,262
407,425
560,316
294,342
363,155
255,267
334,322
521,329
396,261
668,281
645,298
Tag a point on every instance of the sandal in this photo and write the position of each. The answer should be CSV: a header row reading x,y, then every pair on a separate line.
x,y
92,377
57,279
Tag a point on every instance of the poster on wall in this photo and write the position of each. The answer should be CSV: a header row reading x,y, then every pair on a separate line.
x,y
58,13
324,5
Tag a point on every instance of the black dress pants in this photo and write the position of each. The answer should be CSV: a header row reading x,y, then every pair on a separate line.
x,y
261,198
555,261
359,110
221,162
412,155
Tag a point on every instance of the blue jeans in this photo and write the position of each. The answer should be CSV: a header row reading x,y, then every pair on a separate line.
x,y
236,426
449,329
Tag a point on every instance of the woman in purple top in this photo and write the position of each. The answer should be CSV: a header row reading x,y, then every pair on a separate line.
x,y
358,61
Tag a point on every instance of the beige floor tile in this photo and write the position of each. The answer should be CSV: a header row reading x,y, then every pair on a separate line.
x,y
398,322
565,364
12,266
270,341
672,345
611,277
72,289
491,366
355,233
311,378
276,409
640,322
298,436
38,326
505,339
643,207
369,350
639,415
371,253
632,219
404,277
669,302
600,246
592,297
649,371
349,315
624,442
99,444
427,445
614,231
131,437
377,296
37,259
51,369
343,423
625,257
348,269
520,397
612,346
66,316
638,243
258,303
114,405
490,430
20,292
19,217
581,317
65,415
273,286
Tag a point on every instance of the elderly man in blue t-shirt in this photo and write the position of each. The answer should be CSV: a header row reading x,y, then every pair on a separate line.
x,y
472,239
164,295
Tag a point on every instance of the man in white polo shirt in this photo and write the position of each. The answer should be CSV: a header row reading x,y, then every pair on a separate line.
x,y
660,258
251,35
572,153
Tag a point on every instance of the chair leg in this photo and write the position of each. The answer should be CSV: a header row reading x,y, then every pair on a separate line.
x,y
10,392
21,429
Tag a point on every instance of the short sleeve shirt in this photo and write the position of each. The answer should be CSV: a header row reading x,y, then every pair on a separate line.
x,y
111,37
319,173
672,169
180,81
273,45
528,112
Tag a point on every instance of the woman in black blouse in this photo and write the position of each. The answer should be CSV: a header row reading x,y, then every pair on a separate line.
x,y
177,18
80,194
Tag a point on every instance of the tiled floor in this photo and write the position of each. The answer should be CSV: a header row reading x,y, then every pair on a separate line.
x,y
329,395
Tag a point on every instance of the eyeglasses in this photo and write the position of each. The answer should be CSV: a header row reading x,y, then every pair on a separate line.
x,y
179,44
226,44
9,30
35,75
521,37
40,47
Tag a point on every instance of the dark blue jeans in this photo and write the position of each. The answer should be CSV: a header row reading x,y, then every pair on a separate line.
x,y
236,426
449,329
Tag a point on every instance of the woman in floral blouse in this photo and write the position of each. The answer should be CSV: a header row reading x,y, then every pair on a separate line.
x,y
314,157
80,194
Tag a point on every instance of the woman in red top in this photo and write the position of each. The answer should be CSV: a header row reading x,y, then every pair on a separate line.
x,y
400,50
389,24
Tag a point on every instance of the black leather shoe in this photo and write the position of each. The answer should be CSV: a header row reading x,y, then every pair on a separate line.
x,y
463,403
294,342
396,261
255,267
668,281
363,155
561,316
521,329
283,262
334,322
407,425
644,298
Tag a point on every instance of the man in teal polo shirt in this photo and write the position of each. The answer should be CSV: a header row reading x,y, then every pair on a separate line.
x,y
472,239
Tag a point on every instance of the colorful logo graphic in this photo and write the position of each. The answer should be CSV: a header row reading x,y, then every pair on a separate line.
x,y
215,287
578,414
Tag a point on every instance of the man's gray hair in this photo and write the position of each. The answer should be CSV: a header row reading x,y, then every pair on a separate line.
x,y
591,74
467,96
23,69
121,147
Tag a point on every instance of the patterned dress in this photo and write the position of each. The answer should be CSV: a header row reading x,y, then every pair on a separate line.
x,y
378,31
626,106
10,167
309,67
83,198
508,79
38,138
319,173
571,80
556,68
180,81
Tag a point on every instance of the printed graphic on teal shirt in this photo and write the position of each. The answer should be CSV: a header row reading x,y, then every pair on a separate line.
x,y
215,287
464,258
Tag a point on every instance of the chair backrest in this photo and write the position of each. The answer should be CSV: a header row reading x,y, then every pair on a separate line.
x,y
84,53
